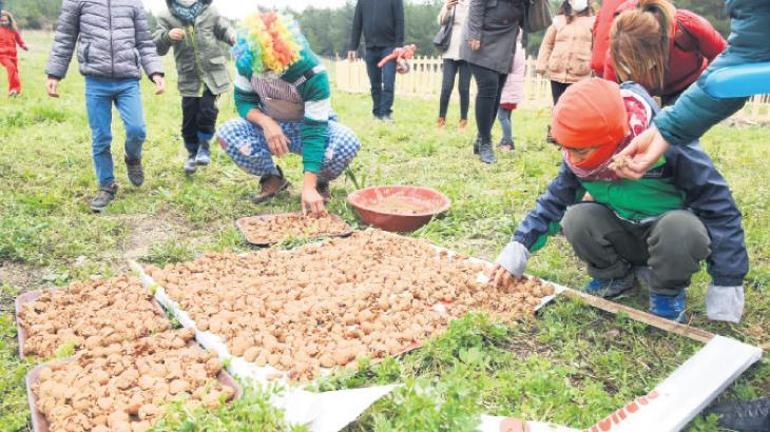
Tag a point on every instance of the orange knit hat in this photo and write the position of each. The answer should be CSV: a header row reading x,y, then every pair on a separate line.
x,y
591,113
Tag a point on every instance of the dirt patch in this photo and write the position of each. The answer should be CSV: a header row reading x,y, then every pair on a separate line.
x,y
144,231
21,277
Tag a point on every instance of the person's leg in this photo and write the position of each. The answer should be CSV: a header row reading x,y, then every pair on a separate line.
x,y
678,242
12,68
341,148
447,85
206,125
99,108
488,85
129,104
609,249
190,107
504,116
372,57
557,89
464,89
388,85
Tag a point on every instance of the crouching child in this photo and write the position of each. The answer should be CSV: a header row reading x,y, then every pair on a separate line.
x,y
194,29
659,228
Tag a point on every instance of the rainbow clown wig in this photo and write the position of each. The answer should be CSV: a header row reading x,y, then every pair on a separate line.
x,y
267,42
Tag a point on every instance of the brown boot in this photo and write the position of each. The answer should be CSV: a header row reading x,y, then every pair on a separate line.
x,y
270,185
441,122
463,124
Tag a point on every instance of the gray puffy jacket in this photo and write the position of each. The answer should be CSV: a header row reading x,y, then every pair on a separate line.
x,y
112,36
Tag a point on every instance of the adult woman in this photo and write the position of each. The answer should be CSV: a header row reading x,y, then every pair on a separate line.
x,y
491,32
565,54
662,48
282,93
457,12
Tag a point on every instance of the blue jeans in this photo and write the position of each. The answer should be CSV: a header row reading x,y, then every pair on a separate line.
x,y
383,81
100,95
504,116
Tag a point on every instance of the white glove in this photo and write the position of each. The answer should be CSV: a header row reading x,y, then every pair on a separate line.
x,y
724,303
514,258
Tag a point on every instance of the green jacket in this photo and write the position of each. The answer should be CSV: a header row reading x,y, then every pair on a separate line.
x,y
200,60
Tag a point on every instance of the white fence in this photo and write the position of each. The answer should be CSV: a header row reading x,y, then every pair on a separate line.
x,y
424,81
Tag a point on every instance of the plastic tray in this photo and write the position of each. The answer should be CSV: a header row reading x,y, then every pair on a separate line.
x,y
32,296
264,242
40,423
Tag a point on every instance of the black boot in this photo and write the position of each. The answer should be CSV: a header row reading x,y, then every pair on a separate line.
x,y
204,154
744,416
104,197
135,171
487,152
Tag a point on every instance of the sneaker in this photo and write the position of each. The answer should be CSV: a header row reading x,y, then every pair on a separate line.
x,y
135,171
506,145
487,153
270,185
322,187
190,165
441,122
745,416
668,307
204,154
610,288
104,197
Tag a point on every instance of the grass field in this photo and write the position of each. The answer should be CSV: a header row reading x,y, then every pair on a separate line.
x,y
573,365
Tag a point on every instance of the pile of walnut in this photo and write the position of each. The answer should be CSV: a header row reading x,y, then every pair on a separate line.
x,y
90,315
124,387
277,228
372,294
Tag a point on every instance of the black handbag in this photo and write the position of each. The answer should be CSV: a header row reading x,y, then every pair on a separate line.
x,y
538,16
444,35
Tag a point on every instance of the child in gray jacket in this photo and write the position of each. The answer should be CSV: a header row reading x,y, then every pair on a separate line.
x,y
112,40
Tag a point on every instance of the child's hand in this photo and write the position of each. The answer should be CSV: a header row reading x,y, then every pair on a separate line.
x,y
176,34
52,87
160,84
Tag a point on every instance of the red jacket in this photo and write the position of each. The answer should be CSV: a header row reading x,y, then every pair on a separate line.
x,y
602,26
696,43
9,38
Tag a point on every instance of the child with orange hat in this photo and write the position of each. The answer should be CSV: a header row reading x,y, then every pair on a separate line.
x,y
660,227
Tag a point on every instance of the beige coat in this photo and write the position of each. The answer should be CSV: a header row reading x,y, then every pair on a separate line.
x,y
458,27
565,54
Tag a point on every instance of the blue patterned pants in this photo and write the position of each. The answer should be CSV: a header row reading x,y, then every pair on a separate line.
x,y
245,143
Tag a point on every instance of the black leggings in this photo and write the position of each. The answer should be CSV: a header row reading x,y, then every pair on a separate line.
x,y
557,89
451,68
490,85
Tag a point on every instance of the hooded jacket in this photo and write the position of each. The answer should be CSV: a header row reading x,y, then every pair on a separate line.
x,y
112,38
684,179
696,111
200,60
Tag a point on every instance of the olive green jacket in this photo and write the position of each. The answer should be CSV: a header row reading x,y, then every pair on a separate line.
x,y
200,60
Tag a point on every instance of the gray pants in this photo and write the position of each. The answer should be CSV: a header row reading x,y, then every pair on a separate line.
x,y
672,246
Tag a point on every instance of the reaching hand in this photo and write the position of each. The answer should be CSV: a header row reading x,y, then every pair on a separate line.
x,y
52,87
474,44
643,152
277,142
160,84
312,202
176,34
510,264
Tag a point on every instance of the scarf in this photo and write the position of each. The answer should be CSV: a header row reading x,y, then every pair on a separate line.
x,y
187,10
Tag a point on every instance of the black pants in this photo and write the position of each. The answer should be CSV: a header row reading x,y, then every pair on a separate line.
x,y
451,69
672,246
490,86
199,119
557,89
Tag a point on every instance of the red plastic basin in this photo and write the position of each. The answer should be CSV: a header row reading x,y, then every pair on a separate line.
x,y
398,208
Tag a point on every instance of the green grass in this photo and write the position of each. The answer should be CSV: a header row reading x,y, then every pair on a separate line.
x,y
573,365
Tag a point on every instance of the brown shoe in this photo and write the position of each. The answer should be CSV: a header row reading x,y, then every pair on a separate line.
x,y
463,124
270,185
441,122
